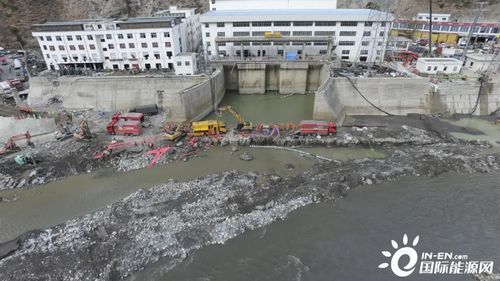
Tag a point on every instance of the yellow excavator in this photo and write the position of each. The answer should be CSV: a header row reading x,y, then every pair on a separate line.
x,y
242,124
178,134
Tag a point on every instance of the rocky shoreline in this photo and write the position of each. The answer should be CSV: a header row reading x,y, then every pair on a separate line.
x,y
172,220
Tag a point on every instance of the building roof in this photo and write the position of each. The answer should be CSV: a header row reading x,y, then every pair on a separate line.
x,y
483,57
297,15
439,60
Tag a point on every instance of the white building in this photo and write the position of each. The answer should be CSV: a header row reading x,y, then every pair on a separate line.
x,y
438,65
435,17
359,34
142,43
186,64
218,5
482,62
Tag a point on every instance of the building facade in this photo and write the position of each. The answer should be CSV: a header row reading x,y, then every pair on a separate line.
x,y
358,34
438,65
219,5
435,17
134,43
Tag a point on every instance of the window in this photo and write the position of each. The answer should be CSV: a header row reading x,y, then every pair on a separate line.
x,y
443,18
99,26
41,38
144,45
346,43
445,68
221,34
109,37
208,44
131,45
463,29
61,48
302,33
154,35
379,44
383,24
365,43
92,46
261,23
379,52
241,34
436,27
220,24
157,56
435,68
429,68
282,23
381,34
240,24
347,33
368,23
284,33
58,38
169,54
364,52
130,36
104,49
166,34
454,28
325,23
258,33
103,40
179,63
120,36
69,38
344,57
187,63
207,34
445,28
81,47
367,33
111,46
324,33
90,37
44,47
78,37
302,23
348,23
323,52
122,46
142,35
206,25
471,63
345,52
168,44
155,44
72,47
48,56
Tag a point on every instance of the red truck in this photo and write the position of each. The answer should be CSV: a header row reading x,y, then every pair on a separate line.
x,y
126,124
320,128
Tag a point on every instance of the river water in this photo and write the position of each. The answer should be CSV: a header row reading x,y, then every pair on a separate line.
x,y
344,240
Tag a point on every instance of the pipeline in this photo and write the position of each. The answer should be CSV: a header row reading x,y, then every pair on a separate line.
x,y
296,151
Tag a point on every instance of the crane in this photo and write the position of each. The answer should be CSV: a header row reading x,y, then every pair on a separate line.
x,y
242,124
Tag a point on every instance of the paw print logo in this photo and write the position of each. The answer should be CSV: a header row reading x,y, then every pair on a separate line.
x,y
405,250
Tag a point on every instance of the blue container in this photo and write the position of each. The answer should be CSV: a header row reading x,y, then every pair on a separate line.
x,y
291,56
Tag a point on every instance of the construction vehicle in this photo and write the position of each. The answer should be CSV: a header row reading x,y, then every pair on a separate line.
x,y
10,145
208,128
22,160
179,132
242,124
318,128
84,131
125,124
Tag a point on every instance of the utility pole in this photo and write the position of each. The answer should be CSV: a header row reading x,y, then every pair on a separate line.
x,y
479,11
430,28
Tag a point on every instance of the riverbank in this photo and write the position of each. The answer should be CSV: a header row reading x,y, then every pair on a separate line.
x,y
176,218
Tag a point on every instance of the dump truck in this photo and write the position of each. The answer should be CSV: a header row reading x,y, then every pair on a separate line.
x,y
242,124
125,124
316,128
208,128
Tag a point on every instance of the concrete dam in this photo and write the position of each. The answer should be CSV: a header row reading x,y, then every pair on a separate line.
x,y
194,97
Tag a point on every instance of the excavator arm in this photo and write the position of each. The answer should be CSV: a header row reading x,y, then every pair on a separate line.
x,y
242,124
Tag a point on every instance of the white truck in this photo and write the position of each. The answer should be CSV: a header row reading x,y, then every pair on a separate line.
x,y
5,88
17,64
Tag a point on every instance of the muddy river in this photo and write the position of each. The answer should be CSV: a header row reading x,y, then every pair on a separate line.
x,y
344,240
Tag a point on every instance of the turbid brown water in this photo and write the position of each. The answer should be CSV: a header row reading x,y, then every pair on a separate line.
x,y
343,241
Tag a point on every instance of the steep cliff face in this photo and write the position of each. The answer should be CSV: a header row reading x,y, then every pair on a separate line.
x,y
16,16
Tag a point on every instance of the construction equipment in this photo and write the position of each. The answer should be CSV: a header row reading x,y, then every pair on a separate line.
x,y
242,124
22,160
208,128
10,144
84,132
177,134
125,124
318,128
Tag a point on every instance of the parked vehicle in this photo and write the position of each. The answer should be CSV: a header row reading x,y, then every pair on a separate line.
x,y
313,127
17,64
125,124
5,88
3,60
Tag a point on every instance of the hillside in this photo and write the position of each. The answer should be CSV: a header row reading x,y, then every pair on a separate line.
x,y
16,16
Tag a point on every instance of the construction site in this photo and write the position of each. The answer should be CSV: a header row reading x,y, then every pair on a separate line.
x,y
126,174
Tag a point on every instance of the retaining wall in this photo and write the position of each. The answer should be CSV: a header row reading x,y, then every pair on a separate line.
x,y
327,104
10,127
182,97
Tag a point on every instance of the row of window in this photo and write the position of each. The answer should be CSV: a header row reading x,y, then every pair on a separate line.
x,y
272,44
108,36
113,56
447,28
295,33
109,46
295,23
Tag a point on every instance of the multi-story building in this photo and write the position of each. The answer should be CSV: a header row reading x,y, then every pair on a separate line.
x,y
141,43
219,5
435,17
358,34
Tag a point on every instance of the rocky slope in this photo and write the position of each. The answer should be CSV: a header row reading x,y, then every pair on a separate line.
x,y
16,16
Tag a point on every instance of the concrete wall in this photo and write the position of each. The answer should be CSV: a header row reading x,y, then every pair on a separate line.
x,y
252,78
327,104
293,78
10,127
273,78
183,98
